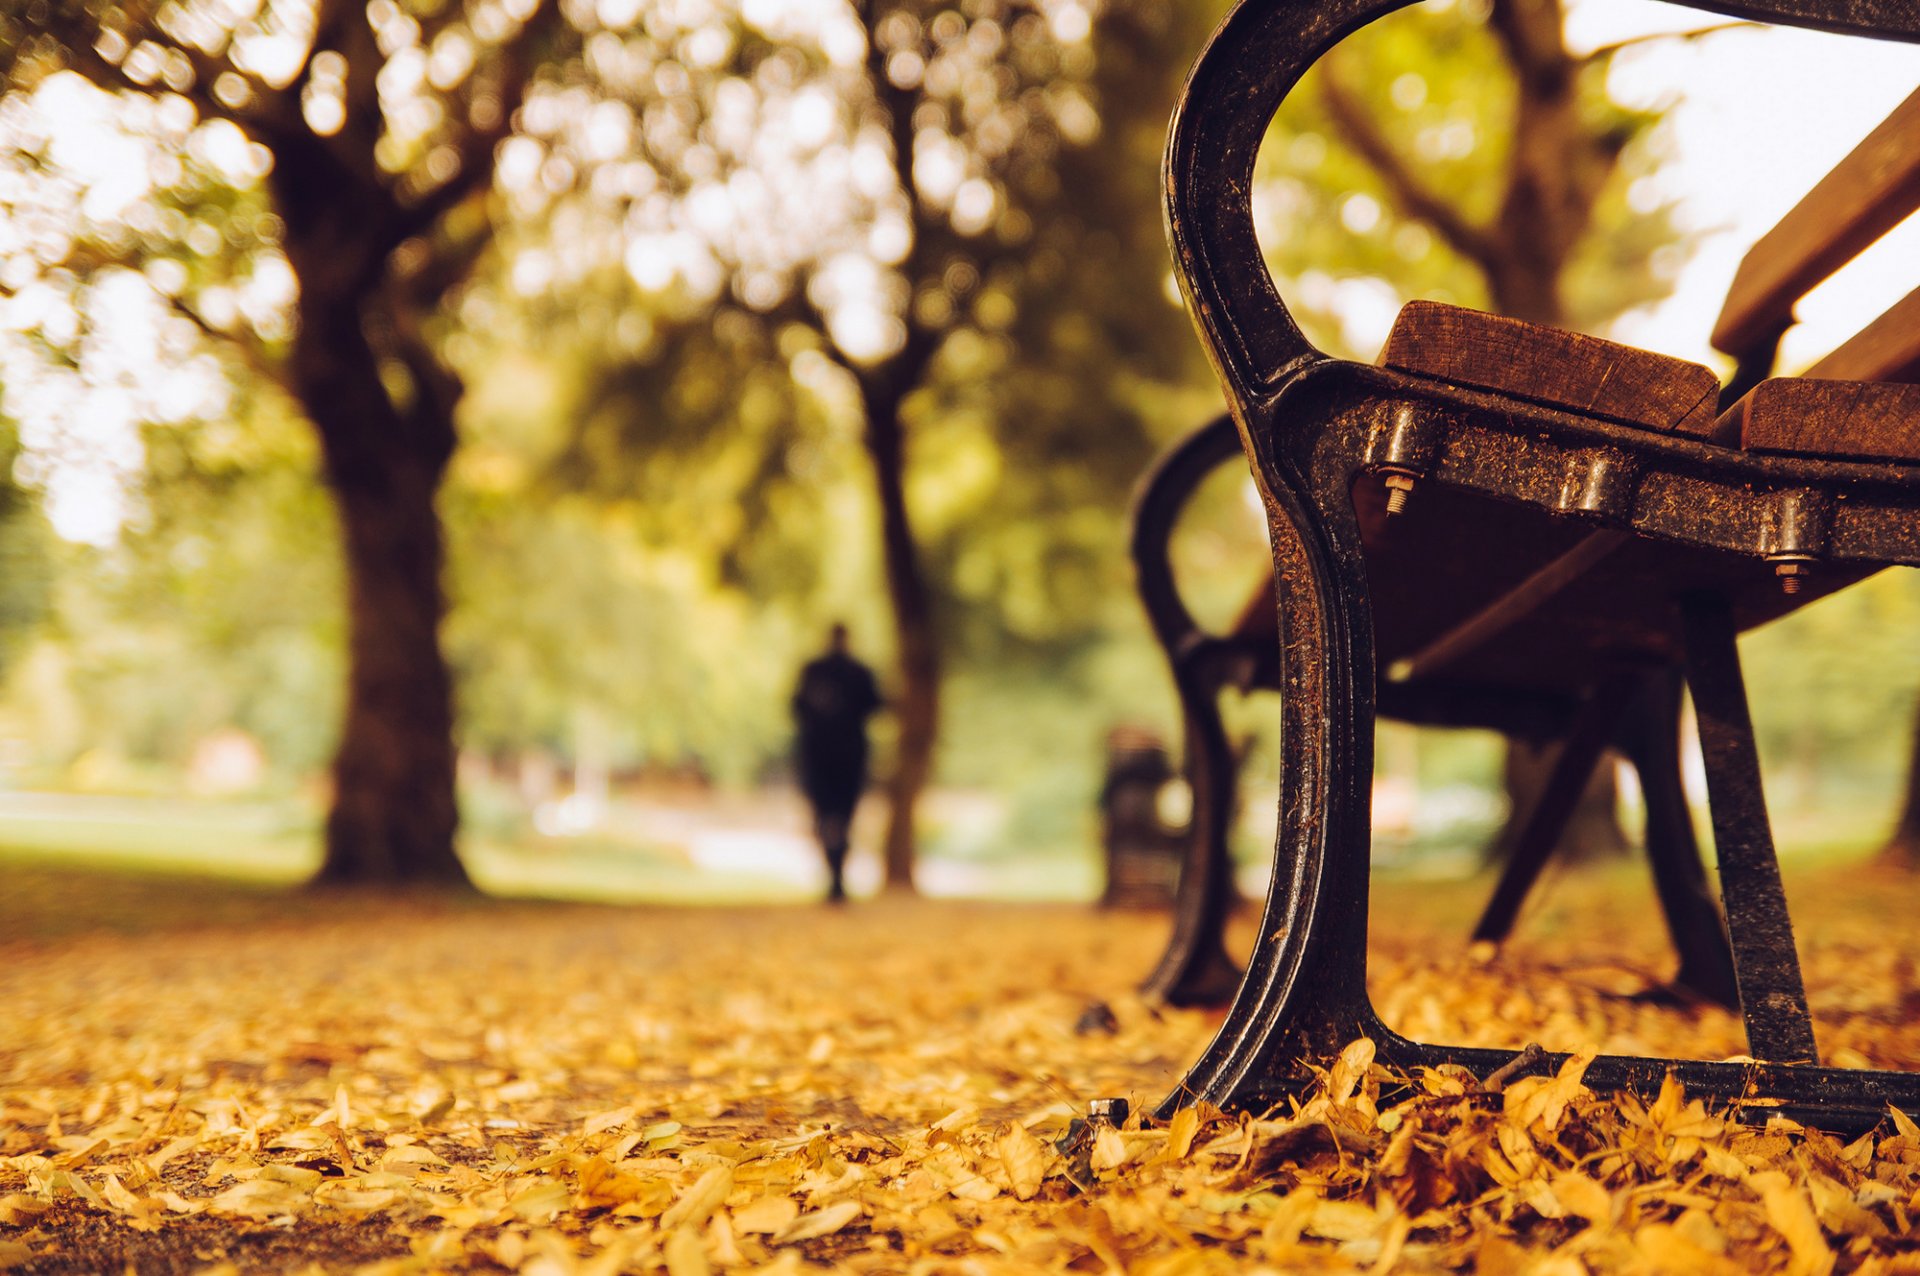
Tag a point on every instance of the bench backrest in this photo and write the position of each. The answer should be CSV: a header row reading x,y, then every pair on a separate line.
x,y
1868,193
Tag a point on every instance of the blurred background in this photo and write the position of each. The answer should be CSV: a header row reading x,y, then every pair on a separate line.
x,y
404,399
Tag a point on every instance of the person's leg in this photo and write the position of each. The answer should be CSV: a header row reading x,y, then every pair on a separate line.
x,y
832,825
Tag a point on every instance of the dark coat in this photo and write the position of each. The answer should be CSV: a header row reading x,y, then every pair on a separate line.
x,y
835,697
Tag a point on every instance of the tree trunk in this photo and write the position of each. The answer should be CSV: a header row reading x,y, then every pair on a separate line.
x,y
394,814
1546,209
1903,845
917,704
1593,831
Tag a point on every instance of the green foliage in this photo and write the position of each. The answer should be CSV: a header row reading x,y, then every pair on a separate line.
x,y
27,549
1441,94
1833,688
217,607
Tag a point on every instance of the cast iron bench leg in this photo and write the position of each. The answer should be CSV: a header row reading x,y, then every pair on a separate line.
x,y
1766,966
1592,730
1651,738
1646,708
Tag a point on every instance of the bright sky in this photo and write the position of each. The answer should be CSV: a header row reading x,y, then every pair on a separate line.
x,y
1761,115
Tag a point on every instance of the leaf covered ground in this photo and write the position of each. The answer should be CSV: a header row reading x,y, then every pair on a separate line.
x,y
290,1083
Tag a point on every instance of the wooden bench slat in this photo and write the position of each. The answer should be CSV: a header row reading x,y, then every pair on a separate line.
x,y
1867,194
1806,416
1553,366
1888,349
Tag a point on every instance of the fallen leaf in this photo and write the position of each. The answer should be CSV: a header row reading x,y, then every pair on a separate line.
x,y
819,1223
1026,1160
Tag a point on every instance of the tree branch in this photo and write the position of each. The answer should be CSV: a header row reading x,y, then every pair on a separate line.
x,y
513,71
341,27
1606,51
1413,196
251,350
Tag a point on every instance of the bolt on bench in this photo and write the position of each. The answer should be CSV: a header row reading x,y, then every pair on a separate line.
x,y
1582,525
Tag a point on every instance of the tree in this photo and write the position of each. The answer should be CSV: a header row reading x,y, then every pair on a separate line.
x,y
874,190
377,127
1903,844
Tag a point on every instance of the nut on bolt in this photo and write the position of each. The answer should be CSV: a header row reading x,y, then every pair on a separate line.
x,y
1112,1112
1399,489
1793,571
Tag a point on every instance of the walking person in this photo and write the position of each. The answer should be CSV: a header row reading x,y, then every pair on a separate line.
x,y
835,697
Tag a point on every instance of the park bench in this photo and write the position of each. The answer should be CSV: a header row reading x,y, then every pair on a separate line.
x,y
1512,526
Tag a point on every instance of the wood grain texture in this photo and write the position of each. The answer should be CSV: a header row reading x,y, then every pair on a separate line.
x,y
1867,194
1807,416
1552,366
1888,349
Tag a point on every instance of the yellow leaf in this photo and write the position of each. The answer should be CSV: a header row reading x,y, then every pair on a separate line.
x,y
1350,1069
409,1155
359,1200
260,1198
437,1106
722,1246
1583,1196
819,1223
1109,1149
606,1121
174,1147
1344,1221
602,1183
947,1129
1535,1099
118,1196
1839,1212
1026,1160
1180,1133
1396,1240
539,1203
686,1253
767,1215
19,1209
1791,1214
699,1202
1667,1106
1666,1248
292,1175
